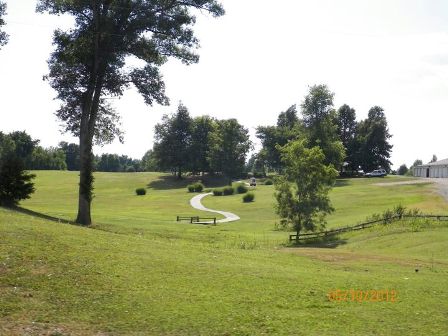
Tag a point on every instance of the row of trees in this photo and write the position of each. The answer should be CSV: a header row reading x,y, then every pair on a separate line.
x,y
63,157
344,141
199,145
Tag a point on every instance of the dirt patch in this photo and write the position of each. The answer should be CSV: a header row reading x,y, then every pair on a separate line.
x,y
341,257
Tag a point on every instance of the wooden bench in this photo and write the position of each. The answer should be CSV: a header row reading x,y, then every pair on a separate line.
x,y
197,219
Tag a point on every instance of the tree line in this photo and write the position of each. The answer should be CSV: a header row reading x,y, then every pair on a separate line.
x,y
65,156
200,145
349,145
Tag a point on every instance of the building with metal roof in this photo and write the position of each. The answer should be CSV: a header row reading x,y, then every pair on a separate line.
x,y
433,169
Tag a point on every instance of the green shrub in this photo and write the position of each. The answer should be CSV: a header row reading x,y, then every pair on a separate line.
x,y
195,187
249,197
241,188
198,187
268,182
217,192
228,191
140,191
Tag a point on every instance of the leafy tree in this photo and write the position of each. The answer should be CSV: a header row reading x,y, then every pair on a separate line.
x,y
417,162
15,183
346,123
89,64
229,146
71,151
302,193
319,119
372,141
3,36
403,170
288,127
200,143
173,141
434,159
149,162
24,144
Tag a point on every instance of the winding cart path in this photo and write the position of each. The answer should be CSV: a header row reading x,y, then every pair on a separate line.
x,y
195,202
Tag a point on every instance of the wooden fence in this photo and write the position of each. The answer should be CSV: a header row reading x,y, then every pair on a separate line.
x,y
361,226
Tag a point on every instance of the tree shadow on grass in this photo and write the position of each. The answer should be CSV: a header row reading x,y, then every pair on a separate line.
x,y
329,242
167,182
40,215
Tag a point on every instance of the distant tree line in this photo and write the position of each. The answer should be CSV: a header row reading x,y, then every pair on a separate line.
x,y
65,156
199,145
349,145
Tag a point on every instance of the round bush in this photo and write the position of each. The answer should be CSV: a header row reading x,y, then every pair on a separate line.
x,y
249,197
195,187
241,188
228,191
217,192
140,191
198,187
268,182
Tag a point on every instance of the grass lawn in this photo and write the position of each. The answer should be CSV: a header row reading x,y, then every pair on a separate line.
x,y
138,272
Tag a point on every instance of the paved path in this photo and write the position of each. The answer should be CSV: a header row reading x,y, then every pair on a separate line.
x,y
195,202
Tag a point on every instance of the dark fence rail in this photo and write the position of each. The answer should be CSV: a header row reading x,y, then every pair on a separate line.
x,y
361,226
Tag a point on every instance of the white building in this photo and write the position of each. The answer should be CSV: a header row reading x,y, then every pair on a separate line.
x,y
433,169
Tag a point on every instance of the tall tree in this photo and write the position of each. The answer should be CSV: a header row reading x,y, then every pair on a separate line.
x,y
372,141
173,141
3,35
202,128
346,122
88,65
229,146
302,193
319,118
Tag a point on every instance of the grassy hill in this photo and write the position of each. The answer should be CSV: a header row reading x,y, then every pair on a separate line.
x,y
139,272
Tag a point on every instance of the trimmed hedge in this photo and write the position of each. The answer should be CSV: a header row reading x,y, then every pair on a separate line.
x,y
249,197
268,182
241,188
140,191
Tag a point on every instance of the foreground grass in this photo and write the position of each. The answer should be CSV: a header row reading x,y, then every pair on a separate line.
x,y
138,272
83,281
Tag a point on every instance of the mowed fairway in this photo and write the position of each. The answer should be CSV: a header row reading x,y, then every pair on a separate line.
x,y
138,272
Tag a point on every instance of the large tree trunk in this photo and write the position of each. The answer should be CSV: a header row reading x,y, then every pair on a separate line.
x,y
85,180
179,173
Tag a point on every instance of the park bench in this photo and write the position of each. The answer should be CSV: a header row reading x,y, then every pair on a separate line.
x,y
197,219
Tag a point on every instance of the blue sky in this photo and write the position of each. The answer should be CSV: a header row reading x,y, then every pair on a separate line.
x,y
258,60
